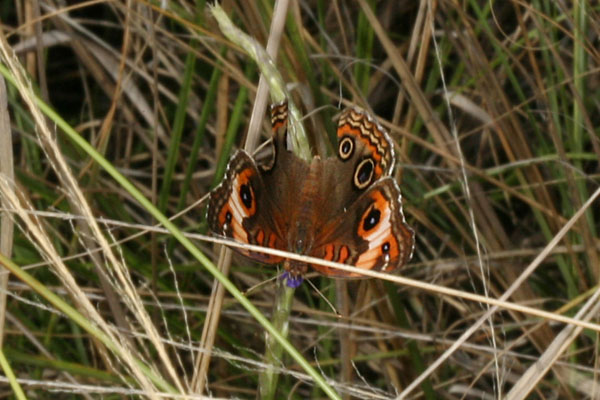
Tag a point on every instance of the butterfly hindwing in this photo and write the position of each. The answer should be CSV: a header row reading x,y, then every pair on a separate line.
x,y
371,234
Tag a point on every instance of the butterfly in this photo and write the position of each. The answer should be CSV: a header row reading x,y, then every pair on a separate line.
x,y
345,208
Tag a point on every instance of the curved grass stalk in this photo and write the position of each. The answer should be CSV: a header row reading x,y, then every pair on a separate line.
x,y
284,298
299,142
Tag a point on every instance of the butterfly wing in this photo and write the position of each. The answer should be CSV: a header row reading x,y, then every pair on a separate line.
x,y
364,148
371,234
239,208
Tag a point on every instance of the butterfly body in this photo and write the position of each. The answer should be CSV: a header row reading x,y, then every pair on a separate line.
x,y
344,208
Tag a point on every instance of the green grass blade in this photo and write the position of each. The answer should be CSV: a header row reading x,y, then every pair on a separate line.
x,y
281,316
178,123
207,110
12,379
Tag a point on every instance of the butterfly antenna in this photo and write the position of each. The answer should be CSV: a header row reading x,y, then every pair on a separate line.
x,y
262,146
324,298
194,204
315,111
259,284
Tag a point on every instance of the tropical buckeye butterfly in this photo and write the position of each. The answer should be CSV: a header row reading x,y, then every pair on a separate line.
x,y
345,208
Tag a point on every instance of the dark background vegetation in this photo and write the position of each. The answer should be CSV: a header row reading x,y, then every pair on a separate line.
x,y
164,97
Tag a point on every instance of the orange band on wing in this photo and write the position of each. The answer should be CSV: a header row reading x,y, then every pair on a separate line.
x,y
260,237
378,204
223,215
272,241
329,252
344,254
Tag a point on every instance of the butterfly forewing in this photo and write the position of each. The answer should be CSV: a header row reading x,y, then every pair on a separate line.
x,y
365,145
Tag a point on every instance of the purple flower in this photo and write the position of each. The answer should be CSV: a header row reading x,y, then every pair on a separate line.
x,y
292,281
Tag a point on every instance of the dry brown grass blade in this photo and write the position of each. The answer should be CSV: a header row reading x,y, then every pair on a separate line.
x,y
38,67
107,121
260,101
211,324
347,344
420,37
6,222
